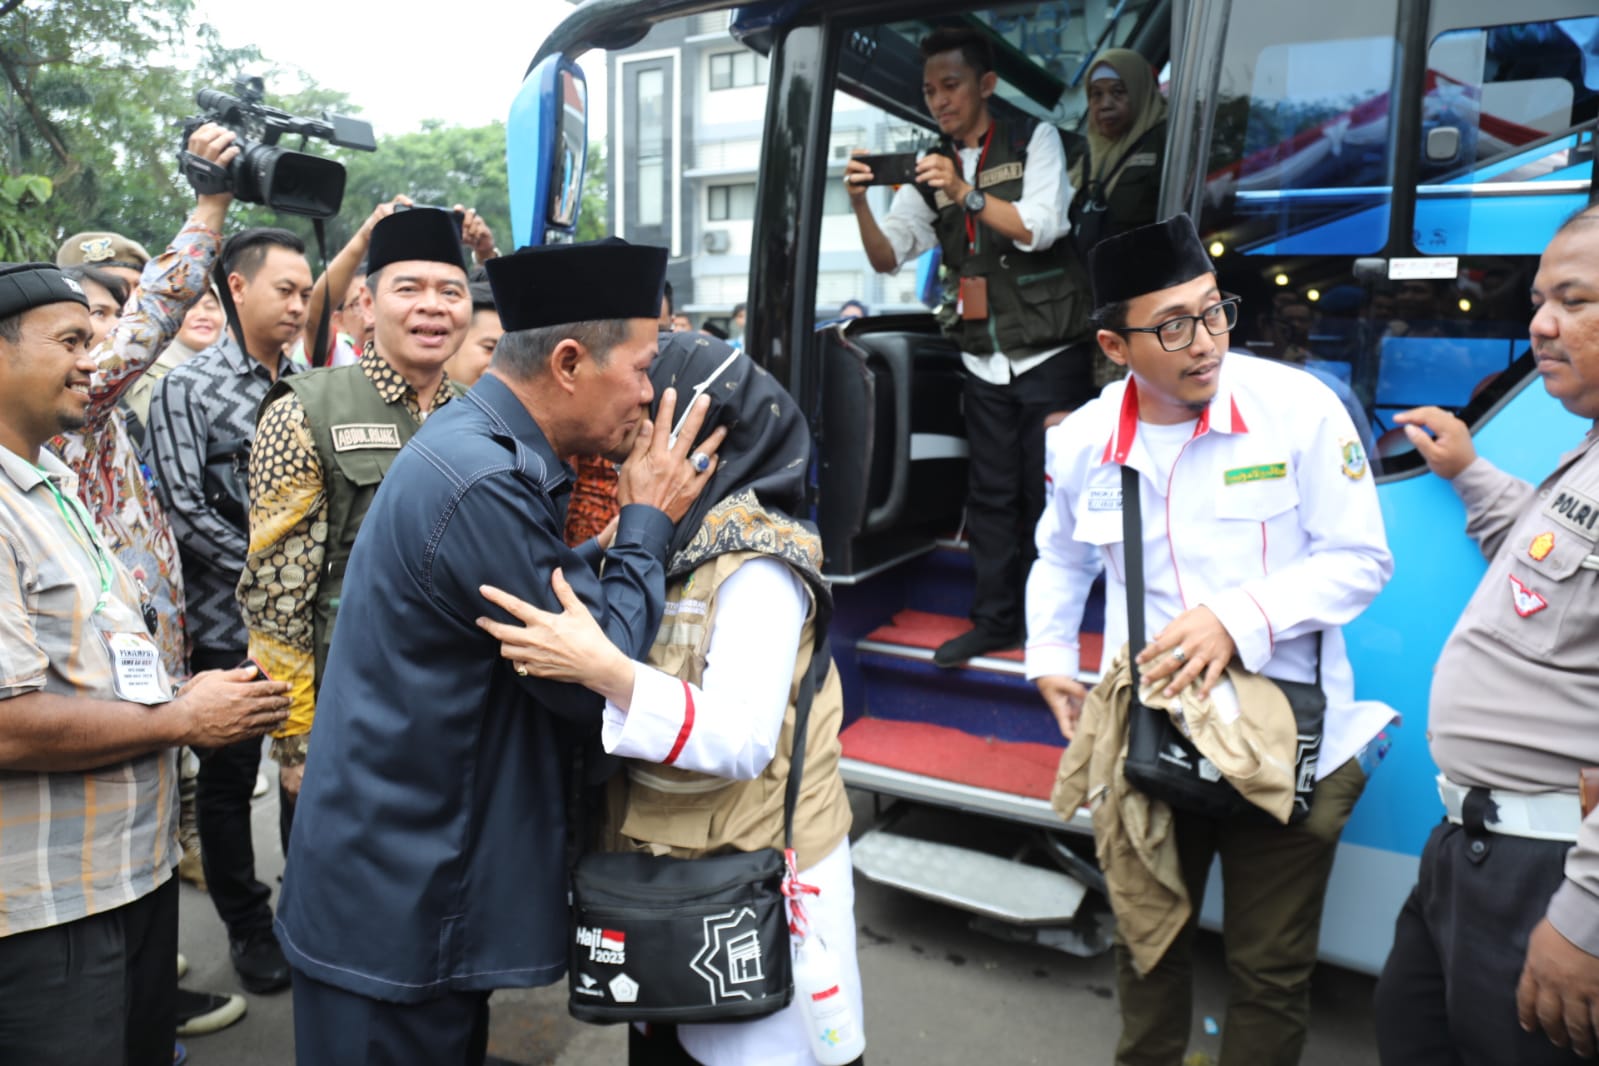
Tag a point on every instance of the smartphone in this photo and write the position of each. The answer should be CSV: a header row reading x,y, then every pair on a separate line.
x,y
261,675
892,168
460,216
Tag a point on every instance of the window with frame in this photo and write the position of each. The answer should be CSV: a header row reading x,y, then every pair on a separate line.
x,y
730,203
649,167
736,70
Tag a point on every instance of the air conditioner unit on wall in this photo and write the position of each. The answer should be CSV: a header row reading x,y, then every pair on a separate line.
x,y
717,240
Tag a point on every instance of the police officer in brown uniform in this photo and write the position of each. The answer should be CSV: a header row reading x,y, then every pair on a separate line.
x,y
1503,925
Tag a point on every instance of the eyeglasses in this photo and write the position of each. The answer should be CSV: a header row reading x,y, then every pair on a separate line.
x,y
1175,334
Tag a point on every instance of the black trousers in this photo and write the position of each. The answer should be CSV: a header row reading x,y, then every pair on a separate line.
x,y
1005,479
1447,994
222,806
101,989
334,1027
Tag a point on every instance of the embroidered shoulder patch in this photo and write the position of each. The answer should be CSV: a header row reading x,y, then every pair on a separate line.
x,y
1525,600
357,436
1576,512
1264,472
1354,459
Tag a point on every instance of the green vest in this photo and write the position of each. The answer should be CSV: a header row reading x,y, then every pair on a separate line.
x,y
1036,300
357,436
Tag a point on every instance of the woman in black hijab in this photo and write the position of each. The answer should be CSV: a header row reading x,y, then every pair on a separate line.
x,y
706,725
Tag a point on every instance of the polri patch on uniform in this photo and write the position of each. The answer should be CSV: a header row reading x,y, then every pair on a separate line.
x,y
1354,459
1142,159
1243,475
1576,512
1525,600
1541,546
1104,500
357,436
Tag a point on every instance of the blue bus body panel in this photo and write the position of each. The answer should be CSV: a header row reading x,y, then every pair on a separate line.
x,y
1395,643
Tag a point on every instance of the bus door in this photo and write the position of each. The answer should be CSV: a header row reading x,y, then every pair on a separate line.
x,y
892,440
1377,182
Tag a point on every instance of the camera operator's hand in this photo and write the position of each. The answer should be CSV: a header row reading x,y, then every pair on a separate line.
x,y
937,171
476,235
214,144
857,176
363,236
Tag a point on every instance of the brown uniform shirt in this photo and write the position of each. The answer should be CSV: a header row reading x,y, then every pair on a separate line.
x,y
1515,695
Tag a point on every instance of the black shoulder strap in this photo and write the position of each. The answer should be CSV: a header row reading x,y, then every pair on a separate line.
x,y
821,663
1133,560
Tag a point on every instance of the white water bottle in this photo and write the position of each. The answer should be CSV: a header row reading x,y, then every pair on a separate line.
x,y
830,1022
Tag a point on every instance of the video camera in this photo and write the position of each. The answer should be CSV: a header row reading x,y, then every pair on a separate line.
x,y
294,183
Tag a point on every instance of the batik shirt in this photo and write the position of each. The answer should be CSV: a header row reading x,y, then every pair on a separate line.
x,y
112,480
288,533
202,406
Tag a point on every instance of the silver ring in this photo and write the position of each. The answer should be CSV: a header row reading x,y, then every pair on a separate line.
x,y
700,462
521,669
1180,655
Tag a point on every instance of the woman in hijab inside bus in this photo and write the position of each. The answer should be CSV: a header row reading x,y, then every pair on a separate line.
x,y
1117,180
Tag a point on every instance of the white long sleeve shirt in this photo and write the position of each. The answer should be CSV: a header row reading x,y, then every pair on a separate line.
x,y
1267,516
1046,195
729,725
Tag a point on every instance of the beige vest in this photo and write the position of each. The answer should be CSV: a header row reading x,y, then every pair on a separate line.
x,y
670,811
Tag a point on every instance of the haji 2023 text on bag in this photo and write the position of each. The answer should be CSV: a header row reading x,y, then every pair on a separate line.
x,y
1161,762
659,939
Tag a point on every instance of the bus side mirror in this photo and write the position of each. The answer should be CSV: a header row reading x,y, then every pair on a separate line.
x,y
546,151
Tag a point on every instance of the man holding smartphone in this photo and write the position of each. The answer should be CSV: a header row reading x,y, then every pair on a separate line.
x,y
324,442
992,195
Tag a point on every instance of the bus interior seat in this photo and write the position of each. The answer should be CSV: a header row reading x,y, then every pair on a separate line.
x,y
891,446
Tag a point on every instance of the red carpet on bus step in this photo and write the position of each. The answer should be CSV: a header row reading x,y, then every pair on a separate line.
x,y
1020,768
919,629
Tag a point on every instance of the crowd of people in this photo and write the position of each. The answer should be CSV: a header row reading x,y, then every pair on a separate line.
x,y
239,501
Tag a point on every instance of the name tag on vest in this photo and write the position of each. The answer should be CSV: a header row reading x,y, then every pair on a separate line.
x,y
1000,174
1142,159
1575,511
357,436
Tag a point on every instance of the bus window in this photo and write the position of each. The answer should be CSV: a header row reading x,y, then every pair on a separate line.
x,y
1504,161
1299,182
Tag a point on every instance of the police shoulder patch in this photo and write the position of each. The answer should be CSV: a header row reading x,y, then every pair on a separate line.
x,y
1354,459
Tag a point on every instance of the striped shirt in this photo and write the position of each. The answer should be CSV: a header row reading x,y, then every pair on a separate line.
x,y
78,843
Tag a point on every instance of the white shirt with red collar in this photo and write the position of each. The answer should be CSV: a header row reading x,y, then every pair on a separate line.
x,y
1267,516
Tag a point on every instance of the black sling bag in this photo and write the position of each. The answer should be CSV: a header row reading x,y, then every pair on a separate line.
x,y
1161,762
659,939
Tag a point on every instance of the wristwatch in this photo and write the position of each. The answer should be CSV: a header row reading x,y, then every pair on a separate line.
x,y
975,201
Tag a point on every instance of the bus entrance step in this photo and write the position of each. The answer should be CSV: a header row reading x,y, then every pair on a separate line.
x,y
972,880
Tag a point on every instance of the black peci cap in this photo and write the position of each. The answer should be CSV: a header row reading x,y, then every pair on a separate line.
x,y
24,286
420,233
559,284
1147,259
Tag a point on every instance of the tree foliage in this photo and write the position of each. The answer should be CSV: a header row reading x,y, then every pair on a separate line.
x,y
593,216
93,95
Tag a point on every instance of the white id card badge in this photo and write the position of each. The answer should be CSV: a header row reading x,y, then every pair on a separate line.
x,y
137,673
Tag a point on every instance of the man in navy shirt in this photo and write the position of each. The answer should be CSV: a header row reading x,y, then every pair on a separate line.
x,y
427,865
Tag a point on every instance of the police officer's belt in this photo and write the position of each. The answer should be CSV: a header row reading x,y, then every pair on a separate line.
x,y
1535,815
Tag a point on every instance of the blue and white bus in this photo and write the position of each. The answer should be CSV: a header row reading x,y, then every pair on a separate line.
x,y
1375,177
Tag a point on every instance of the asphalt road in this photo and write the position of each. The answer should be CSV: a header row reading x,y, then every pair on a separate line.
x,y
937,992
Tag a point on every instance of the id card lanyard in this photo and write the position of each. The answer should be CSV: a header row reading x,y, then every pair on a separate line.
x,y
136,669
78,522
982,157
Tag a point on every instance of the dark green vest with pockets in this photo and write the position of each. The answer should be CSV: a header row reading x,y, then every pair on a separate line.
x,y
1036,300
357,436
